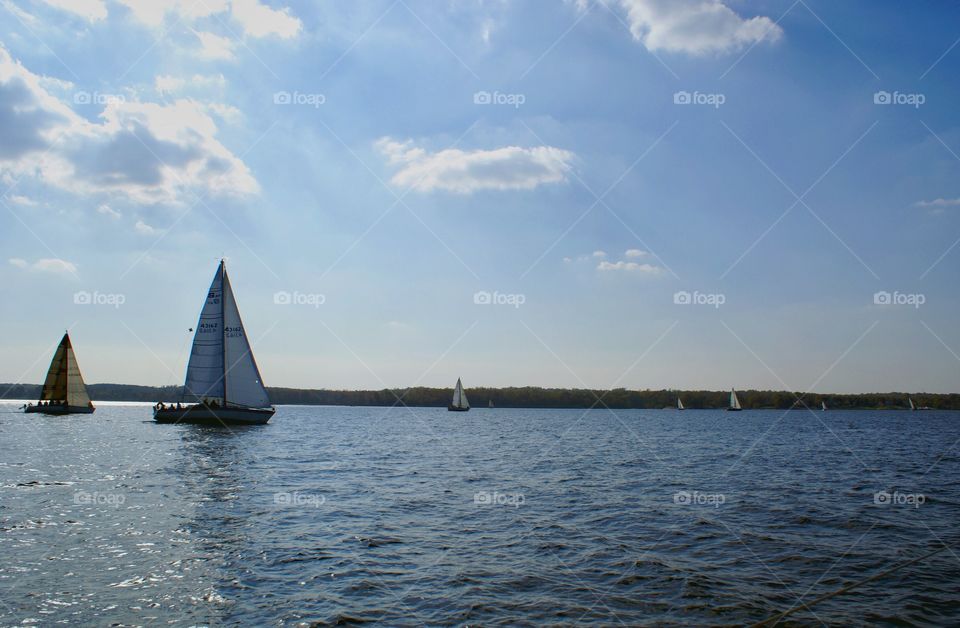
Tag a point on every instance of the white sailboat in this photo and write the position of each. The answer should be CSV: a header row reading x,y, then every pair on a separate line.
x,y
912,407
734,402
823,405
222,379
459,403
680,404
63,389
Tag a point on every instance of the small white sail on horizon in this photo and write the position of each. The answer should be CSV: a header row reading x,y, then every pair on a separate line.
x,y
460,397
222,367
823,405
734,401
679,404
912,407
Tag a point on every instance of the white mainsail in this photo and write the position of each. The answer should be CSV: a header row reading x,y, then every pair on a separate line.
x,y
64,381
734,402
912,407
823,405
460,397
679,404
221,366
244,384
205,369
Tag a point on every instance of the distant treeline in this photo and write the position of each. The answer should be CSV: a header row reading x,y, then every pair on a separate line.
x,y
529,397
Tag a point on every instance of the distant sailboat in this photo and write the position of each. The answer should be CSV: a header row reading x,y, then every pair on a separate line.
x,y
490,403
459,403
823,405
222,377
734,402
63,390
913,407
680,404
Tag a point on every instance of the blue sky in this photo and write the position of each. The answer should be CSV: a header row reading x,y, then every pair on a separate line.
x,y
385,165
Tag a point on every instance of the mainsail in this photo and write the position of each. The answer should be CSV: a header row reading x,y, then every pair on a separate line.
x,y
734,402
460,397
221,366
64,381
679,404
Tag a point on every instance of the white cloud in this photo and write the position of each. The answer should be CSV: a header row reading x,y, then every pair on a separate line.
x,y
165,84
259,20
147,152
227,113
939,203
106,210
46,265
214,46
143,228
455,170
629,267
23,200
599,253
91,10
153,12
695,27
635,253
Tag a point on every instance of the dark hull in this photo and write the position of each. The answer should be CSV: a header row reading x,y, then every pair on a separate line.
x,y
457,409
203,415
734,409
59,410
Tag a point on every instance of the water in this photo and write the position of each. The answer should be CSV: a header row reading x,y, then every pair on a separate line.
x,y
370,514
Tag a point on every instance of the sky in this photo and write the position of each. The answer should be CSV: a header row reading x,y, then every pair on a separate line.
x,y
682,194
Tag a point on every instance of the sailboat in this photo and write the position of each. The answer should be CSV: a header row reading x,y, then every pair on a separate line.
x,y
490,403
222,379
914,408
734,402
680,404
63,390
823,405
459,403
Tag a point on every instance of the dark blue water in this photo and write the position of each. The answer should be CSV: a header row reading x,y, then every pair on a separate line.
x,y
492,517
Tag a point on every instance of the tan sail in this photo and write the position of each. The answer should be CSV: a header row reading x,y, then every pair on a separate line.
x,y
64,381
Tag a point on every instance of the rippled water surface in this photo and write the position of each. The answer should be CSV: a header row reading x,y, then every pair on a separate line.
x,y
492,517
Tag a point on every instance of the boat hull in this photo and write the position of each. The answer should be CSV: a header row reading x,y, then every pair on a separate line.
x,y
205,415
59,410
734,409
457,409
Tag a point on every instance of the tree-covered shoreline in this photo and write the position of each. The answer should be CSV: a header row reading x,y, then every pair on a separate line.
x,y
532,397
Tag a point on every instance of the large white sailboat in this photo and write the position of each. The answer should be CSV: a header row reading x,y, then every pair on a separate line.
x,y
734,402
223,380
459,403
63,389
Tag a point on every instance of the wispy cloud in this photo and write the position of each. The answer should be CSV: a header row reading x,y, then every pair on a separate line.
x,y
631,267
467,171
46,265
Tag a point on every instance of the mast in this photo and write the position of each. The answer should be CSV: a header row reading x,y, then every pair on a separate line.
x,y
223,329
